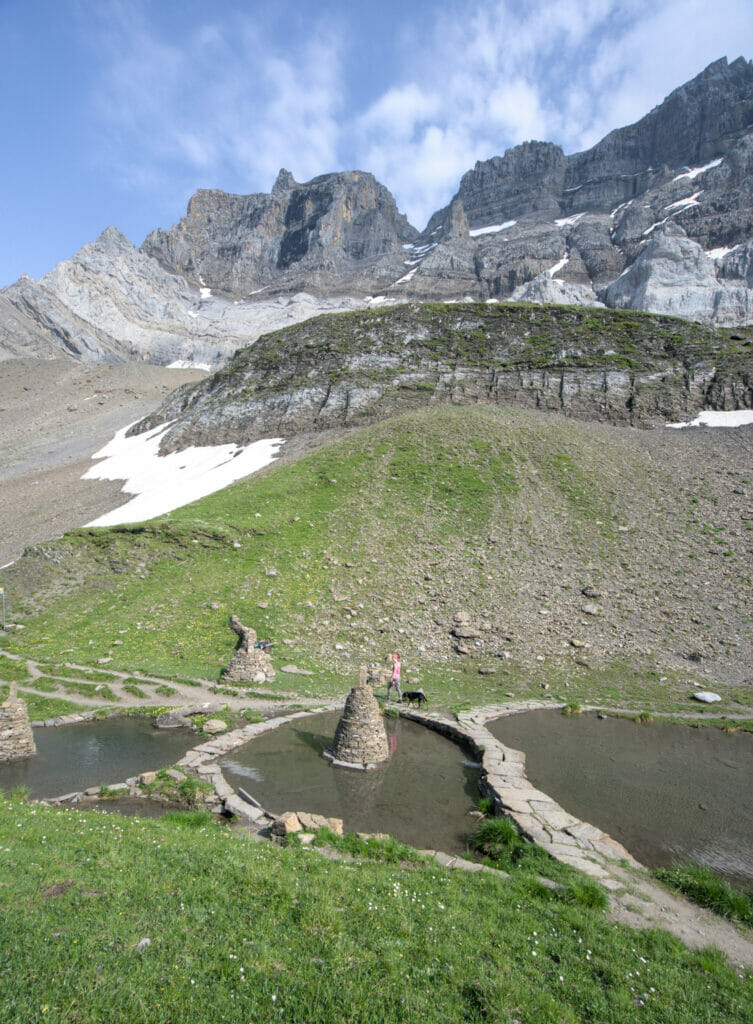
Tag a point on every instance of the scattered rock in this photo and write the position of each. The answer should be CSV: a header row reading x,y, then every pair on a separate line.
x,y
147,778
706,697
172,720
312,821
592,592
591,609
462,627
142,944
286,823
214,726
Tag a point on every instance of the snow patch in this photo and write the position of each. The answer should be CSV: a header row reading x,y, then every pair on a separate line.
x,y
492,229
205,293
406,278
558,266
653,227
620,208
718,254
569,220
681,204
162,483
693,172
186,364
714,418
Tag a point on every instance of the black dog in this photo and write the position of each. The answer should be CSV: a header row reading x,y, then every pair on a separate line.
x,y
415,695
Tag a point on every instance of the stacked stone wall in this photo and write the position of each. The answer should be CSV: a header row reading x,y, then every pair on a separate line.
x,y
250,664
360,738
16,737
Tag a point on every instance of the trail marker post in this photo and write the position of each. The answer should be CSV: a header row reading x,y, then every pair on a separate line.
x,y
2,598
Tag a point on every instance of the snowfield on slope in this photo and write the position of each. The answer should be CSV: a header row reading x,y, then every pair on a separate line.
x,y
162,483
715,418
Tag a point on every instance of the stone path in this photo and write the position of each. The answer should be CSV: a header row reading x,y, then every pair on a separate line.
x,y
635,897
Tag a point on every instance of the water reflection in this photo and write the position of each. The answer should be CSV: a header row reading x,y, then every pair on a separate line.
x,y
664,791
422,795
75,757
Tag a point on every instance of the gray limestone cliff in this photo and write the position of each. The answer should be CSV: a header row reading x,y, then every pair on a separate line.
x,y
533,223
338,229
351,369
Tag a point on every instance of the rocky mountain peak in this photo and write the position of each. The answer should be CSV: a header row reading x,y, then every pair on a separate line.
x,y
657,216
284,181
300,236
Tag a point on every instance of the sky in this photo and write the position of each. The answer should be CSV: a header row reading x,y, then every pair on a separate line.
x,y
116,112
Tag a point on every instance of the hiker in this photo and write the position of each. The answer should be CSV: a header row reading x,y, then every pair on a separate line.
x,y
395,680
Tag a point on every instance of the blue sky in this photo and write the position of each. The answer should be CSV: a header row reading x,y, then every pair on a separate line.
x,y
115,111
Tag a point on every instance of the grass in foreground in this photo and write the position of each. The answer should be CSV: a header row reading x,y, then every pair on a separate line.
x,y
241,931
705,887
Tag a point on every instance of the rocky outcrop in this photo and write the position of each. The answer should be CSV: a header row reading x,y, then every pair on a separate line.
x,y
673,275
112,303
250,664
339,230
16,737
621,367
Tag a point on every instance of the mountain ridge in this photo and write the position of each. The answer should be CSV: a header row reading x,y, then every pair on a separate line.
x,y
657,216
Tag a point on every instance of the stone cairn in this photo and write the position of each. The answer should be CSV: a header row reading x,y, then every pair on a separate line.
x,y
250,664
360,738
16,737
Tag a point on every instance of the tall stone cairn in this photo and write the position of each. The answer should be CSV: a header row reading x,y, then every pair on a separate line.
x,y
250,664
360,737
16,737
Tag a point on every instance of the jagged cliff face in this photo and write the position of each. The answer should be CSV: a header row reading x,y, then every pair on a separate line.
x,y
339,227
658,216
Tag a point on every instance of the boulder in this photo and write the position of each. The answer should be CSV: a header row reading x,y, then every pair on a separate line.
x,y
286,823
214,726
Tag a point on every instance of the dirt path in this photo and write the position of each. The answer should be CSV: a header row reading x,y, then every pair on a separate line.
x,y
69,676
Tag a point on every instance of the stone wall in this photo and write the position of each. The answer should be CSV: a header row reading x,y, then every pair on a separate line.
x,y
16,737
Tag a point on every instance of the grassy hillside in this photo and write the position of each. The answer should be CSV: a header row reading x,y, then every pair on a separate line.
x,y
240,931
374,542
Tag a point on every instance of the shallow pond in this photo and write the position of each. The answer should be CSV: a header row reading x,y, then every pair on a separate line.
x,y
664,791
74,757
422,796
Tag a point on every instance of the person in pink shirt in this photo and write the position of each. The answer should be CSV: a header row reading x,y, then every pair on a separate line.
x,y
395,680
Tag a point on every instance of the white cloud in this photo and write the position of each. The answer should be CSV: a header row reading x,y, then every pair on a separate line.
x,y
229,102
566,71
222,107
